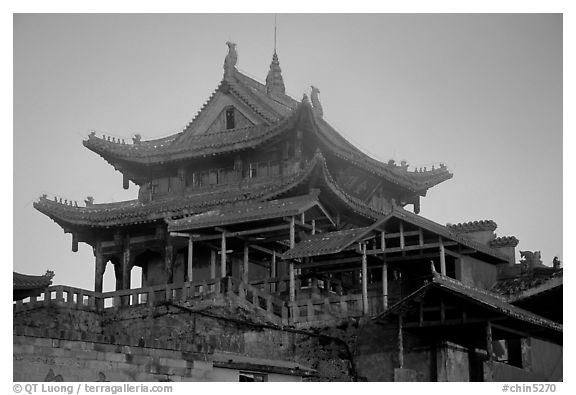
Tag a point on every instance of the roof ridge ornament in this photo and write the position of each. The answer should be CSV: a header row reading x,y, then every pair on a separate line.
x,y
274,80
316,101
230,60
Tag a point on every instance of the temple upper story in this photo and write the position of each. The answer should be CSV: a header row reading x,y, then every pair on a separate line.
x,y
250,141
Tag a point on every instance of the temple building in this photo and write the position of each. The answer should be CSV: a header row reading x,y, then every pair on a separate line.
x,y
271,248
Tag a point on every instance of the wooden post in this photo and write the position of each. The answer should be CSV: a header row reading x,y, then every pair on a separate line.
x,y
489,349
126,268
402,242
245,265
168,252
383,240
100,267
292,282
273,265
292,233
385,285
400,344
74,242
223,255
442,257
313,226
364,281
212,264
420,237
190,259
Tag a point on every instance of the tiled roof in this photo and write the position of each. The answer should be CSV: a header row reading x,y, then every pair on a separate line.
x,y
524,282
354,235
133,211
487,299
280,113
447,232
505,241
553,282
412,180
473,226
324,243
246,212
28,282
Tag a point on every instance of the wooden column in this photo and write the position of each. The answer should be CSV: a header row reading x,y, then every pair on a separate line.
x,y
292,282
126,267
313,226
442,257
190,259
100,267
292,233
273,265
383,240
223,255
489,348
400,344
402,241
168,264
385,285
364,281
74,242
245,264
420,237
212,264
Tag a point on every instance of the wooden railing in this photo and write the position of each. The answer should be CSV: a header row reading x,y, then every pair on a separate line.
x,y
259,294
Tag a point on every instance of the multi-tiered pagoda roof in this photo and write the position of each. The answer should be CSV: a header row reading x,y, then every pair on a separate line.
x,y
264,117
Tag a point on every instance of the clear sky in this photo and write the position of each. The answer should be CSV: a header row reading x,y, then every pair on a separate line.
x,y
481,93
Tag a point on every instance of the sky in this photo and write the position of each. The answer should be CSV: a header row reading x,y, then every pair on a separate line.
x,y
481,93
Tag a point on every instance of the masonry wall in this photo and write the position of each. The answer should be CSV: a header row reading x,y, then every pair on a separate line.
x,y
474,272
44,359
208,327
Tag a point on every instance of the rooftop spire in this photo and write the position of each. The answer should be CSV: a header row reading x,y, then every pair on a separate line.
x,y
274,80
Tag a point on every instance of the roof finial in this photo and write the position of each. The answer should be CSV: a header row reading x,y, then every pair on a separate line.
x,y
274,80
231,59
275,32
316,101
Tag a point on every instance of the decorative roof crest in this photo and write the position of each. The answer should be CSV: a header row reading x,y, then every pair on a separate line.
x,y
274,80
231,59
316,101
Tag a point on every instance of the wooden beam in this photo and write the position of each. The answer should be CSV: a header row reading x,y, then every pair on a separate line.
x,y
379,251
442,257
243,232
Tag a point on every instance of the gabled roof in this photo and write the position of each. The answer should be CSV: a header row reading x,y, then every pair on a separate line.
x,y
480,297
246,212
278,113
134,212
308,247
24,285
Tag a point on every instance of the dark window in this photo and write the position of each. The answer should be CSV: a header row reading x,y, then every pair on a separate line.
x,y
230,118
